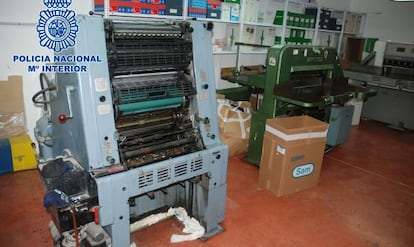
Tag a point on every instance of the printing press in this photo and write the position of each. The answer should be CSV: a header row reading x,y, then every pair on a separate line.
x,y
135,135
389,70
297,80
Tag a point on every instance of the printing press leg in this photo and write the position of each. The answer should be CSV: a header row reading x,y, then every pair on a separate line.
x,y
114,208
211,196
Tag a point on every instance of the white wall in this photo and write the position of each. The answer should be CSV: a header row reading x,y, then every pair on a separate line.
x,y
387,20
335,4
18,20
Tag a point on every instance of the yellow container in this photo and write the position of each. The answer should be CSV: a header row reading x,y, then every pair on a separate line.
x,y
23,153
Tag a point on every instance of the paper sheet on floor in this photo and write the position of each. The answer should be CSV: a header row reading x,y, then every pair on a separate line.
x,y
191,226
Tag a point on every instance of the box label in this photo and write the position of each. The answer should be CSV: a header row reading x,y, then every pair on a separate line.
x,y
303,170
280,149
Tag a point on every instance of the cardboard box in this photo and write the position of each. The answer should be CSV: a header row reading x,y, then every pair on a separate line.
x,y
12,120
234,124
174,7
230,11
197,8
352,23
156,7
251,12
23,153
312,14
293,149
325,13
237,146
235,12
234,117
213,9
353,49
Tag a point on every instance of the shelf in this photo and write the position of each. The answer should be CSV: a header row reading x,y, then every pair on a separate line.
x,y
262,24
303,4
143,16
351,33
329,31
302,28
215,20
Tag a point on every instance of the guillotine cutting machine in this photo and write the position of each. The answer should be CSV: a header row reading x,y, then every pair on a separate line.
x,y
299,80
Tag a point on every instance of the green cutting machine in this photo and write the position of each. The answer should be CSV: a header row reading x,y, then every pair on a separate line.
x,y
298,80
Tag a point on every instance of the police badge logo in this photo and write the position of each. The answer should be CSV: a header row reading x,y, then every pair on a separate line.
x,y
57,25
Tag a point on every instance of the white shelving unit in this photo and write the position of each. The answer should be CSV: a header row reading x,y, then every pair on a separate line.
x,y
263,22
256,26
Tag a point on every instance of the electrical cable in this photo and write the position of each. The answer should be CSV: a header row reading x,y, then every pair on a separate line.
x,y
43,78
34,98
75,227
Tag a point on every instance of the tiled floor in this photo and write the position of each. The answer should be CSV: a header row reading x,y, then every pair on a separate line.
x,y
365,197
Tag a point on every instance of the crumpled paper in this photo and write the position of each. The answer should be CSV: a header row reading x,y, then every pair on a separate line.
x,y
192,227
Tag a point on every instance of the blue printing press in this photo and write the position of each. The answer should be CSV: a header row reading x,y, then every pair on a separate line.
x,y
135,135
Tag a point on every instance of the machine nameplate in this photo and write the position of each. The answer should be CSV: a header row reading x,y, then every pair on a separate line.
x,y
104,109
203,75
315,59
101,84
203,96
107,147
272,61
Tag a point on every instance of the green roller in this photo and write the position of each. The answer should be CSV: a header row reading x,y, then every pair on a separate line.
x,y
151,105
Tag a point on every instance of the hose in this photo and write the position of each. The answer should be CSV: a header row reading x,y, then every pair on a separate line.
x,y
43,78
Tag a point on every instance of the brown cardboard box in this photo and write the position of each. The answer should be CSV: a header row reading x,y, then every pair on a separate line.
x,y
220,96
234,125
12,119
353,49
293,149
234,118
237,145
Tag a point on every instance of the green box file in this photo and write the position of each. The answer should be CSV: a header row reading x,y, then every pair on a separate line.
x,y
278,40
369,44
278,17
232,1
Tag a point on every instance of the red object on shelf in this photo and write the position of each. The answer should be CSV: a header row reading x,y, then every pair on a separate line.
x,y
197,10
